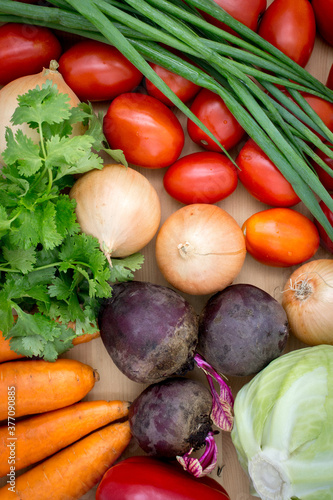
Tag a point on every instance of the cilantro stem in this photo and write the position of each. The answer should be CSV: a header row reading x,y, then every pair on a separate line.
x,y
42,142
50,183
46,266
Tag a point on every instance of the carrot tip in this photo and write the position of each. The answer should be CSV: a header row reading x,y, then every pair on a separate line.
x,y
96,376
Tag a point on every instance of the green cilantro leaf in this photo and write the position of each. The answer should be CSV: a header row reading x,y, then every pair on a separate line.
x,y
40,105
25,230
48,234
95,127
96,130
35,335
39,226
6,313
72,155
4,221
23,152
82,251
117,155
122,269
65,217
20,259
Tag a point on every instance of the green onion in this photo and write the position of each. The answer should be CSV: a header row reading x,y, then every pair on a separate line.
x,y
231,66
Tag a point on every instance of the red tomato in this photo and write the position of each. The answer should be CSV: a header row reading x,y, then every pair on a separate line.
x,y
182,87
280,237
145,129
96,71
247,12
203,177
323,10
324,109
325,239
25,50
147,478
290,26
212,112
324,177
262,178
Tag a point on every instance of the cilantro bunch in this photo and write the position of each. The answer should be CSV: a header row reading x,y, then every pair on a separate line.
x,y
49,269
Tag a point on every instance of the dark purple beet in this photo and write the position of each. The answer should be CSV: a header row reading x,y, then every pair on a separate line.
x,y
241,329
150,331
171,417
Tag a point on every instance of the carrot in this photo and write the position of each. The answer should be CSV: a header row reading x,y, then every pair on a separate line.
x,y
7,354
85,337
40,386
43,435
72,472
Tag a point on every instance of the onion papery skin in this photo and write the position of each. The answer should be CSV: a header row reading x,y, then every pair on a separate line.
x,y
200,249
119,206
8,102
308,301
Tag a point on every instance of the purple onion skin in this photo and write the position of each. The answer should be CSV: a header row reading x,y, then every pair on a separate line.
x,y
171,417
150,331
241,329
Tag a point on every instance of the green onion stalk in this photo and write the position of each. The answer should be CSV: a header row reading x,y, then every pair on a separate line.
x,y
244,70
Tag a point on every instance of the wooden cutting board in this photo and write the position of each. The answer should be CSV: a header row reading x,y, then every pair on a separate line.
x,y
114,385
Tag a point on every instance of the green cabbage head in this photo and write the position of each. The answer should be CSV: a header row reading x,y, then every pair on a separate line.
x,y
283,428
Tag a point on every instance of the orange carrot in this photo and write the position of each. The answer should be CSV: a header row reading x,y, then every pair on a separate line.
x,y
72,472
40,386
85,337
39,437
6,354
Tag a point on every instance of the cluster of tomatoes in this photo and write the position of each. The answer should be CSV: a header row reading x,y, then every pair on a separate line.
x,y
141,122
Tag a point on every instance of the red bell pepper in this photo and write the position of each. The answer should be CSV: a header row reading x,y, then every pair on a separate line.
x,y
146,478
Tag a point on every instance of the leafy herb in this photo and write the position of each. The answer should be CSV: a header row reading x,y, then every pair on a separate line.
x,y
48,267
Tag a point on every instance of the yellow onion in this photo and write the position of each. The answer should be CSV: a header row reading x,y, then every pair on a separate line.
x,y
10,92
200,249
308,302
119,206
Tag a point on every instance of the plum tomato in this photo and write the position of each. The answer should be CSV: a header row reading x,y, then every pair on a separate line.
x,y
325,178
262,179
213,112
326,241
96,71
25,50
248,12
323,10
183,88
203,177
145,129
280,237
323,108
291,27
148,478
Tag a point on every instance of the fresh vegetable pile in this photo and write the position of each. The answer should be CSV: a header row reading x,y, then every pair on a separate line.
x,y
196,135
48,266
225,69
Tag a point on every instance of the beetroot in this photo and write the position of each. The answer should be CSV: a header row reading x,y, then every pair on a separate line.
x,y
241,329
171,418
150,331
